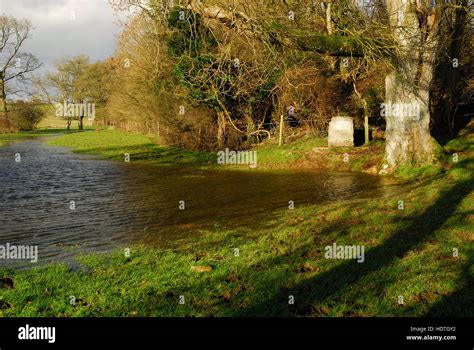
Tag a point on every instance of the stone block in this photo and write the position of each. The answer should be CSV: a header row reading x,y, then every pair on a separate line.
x,y
341,132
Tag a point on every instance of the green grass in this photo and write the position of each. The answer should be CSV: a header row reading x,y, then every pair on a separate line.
x,y
409,254
426,171
114,144
51,121
306,152
459,144
273,156
25,135
359,159
409,251
311,152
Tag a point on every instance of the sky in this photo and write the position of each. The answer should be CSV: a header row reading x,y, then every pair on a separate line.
x,y
66,28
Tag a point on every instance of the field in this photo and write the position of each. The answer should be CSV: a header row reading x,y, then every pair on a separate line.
x,y
418,256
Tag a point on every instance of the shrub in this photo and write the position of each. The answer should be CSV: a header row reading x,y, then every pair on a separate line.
x,y
26,116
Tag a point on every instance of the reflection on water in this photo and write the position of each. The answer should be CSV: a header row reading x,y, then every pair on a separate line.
x,y
124,202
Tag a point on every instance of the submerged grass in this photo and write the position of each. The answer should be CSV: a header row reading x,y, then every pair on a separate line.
x,y
419,260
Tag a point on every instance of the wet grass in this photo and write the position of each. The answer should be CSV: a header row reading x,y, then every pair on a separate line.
x,y
311,152
368,159
115,145
418,261
25,135
307,152
274,156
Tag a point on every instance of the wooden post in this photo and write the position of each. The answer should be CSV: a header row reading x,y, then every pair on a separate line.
x,y
280,142
366,128
328,17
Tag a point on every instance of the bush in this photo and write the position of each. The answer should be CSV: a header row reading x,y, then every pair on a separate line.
x,y
26,116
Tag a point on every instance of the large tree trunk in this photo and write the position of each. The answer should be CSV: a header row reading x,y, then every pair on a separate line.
x,y
408,138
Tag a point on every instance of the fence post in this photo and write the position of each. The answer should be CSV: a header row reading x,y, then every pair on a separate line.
x,y
280,142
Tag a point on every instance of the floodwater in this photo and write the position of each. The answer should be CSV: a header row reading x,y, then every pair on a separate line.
x,y
67,203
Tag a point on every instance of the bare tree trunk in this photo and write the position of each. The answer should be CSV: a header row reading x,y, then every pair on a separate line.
x,y
3,100
408,138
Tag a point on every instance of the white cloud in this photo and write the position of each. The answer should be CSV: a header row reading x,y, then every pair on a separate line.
x,y
65,28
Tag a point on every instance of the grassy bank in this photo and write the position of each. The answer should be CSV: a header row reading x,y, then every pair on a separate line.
x,y
25,135
419,260
313,153
307,152
115,144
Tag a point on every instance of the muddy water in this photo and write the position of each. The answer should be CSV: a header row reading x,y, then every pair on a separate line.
x,y
121,203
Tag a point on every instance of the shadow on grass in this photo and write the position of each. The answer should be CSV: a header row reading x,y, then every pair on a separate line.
x,y
461,302
261,289
311,294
